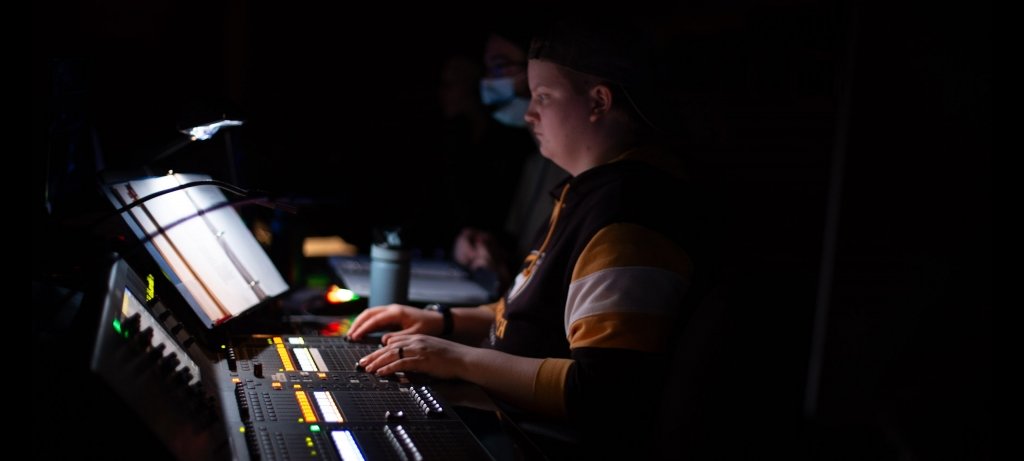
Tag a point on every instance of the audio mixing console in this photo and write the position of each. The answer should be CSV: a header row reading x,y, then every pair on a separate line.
x,y
265,396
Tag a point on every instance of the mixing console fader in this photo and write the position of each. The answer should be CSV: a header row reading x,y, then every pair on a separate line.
x,y
289,397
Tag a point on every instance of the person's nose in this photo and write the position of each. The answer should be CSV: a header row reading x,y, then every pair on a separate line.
x,y
531,116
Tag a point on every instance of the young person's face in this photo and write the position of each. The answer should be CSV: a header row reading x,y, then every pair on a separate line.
x,y
558,115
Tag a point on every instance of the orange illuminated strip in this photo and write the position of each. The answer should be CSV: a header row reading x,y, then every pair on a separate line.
x,y
285,358
307,409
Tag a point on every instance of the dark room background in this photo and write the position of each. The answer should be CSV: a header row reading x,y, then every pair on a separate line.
x,y
845,147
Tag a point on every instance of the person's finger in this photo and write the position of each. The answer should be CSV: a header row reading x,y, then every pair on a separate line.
x,y
371,356
368,361
406,364
377,320
409,360
382,357
387,353
362,318
387,338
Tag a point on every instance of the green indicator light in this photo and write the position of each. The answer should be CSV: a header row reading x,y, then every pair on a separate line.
x,y
314,428
318,280
117,326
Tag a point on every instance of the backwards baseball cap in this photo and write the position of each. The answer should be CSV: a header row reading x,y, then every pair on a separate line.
x,y
611,49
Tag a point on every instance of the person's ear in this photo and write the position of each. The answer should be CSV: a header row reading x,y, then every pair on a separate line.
x,y
600,101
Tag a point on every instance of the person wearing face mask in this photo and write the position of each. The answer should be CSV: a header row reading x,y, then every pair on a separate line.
x,y
505,93
483,162
504,87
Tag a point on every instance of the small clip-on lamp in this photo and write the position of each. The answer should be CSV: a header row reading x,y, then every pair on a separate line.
x,y
196,133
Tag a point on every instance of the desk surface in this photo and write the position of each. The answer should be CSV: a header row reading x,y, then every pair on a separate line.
x,y
429,280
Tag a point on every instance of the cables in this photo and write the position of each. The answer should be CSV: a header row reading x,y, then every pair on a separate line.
x,y
253,197
210,182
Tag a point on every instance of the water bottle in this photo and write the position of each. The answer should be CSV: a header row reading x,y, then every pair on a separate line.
x,y
389,270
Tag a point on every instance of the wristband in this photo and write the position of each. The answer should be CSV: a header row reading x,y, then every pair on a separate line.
x,y
448,324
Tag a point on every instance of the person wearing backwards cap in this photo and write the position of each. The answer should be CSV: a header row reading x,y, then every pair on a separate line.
x,y
583,335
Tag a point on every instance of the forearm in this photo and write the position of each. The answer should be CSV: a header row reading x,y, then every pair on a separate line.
x,y
471,324
510,378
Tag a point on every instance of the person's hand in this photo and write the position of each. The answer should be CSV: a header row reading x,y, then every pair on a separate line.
x,y
430,355
409,319
479,251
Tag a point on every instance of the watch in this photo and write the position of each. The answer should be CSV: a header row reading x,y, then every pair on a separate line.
x,y
448,325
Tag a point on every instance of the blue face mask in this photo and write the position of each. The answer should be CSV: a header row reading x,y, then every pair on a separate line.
x,y
494,91
512,113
